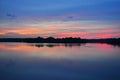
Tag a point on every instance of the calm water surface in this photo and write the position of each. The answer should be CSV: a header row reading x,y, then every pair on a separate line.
x,y
23,61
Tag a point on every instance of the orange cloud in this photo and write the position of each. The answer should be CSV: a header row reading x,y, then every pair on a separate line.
x,y
107,35
22,31
61,32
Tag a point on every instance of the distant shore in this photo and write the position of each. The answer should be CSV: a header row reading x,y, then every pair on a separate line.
x,y
113,41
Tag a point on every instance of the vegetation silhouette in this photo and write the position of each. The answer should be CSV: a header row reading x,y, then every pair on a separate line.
x,y
112,41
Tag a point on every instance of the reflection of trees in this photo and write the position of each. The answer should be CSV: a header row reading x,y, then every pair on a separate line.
x,y
50,45
39,46
72,44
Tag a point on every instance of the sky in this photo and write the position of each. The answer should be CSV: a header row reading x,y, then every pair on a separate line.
x,y
60,18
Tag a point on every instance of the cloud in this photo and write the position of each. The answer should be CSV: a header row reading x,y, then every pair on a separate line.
x,y
70,17
11,35
11,16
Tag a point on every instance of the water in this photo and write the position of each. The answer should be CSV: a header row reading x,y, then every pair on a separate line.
x,y
23,61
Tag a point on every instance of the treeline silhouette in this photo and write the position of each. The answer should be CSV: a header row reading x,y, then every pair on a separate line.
x,y
112,41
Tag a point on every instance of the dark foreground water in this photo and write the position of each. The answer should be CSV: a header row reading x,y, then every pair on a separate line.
x,y
22,61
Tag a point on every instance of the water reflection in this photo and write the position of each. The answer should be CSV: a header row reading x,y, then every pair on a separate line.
x,y
22,61
51,45
60,51
39,45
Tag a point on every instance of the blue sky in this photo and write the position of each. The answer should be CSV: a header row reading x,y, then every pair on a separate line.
x,y
91,16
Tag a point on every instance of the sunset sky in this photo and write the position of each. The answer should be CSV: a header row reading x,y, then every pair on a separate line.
x,y
60,18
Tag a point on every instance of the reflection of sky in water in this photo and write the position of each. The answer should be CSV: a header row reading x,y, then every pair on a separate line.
x,y
59,51
22,61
